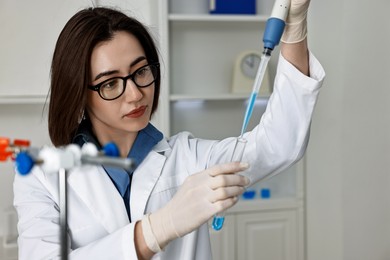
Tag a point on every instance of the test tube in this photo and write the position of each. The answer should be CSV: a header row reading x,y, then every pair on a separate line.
x,y
238,151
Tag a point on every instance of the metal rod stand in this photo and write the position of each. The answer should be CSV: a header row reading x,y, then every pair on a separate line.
x,y
63,213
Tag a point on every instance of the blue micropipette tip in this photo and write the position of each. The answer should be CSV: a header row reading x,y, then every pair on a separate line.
x,y
248,112
218,222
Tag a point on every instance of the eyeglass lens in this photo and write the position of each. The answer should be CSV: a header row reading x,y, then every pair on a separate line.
x,y
115,87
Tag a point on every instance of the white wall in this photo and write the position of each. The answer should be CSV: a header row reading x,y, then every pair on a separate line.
x,y
365,132
323,178
348,181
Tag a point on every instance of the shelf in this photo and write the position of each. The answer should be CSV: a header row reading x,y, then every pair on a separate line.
x,y
216,18
25,99
214,97
265,204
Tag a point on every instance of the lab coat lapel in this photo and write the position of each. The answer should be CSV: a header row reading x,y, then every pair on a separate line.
x,y
143,182
97,191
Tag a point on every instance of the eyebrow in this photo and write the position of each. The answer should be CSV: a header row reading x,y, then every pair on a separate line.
x,y
110,72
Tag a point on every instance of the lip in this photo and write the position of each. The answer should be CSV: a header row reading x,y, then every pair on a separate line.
x,y
138,112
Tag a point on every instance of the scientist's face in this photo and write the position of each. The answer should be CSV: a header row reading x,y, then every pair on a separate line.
x,y
130,112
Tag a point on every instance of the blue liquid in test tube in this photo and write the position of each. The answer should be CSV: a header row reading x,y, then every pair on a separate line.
x,y
218,222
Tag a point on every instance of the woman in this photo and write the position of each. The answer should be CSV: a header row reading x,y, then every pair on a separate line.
x,y
105,83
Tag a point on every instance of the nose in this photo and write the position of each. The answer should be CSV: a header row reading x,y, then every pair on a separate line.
x,y
132,92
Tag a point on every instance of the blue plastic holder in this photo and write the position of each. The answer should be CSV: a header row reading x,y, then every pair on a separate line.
x,y
249,194
24,163
232,6
265,193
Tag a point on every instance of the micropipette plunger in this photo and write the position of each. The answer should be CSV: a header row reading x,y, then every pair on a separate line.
x,y
272,34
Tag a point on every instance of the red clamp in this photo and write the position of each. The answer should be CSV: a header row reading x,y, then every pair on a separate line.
x,y
8,149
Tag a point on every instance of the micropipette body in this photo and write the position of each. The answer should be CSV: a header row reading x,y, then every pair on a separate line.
x,y
275,24
272,34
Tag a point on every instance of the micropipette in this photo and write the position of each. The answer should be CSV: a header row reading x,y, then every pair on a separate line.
x,y
272,34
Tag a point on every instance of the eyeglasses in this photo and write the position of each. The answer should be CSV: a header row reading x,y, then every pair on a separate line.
x,y
113,88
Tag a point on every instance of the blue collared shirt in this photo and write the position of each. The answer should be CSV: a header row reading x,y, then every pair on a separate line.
x,y
146,139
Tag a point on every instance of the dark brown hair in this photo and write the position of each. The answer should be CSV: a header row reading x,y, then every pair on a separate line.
x,y
71,68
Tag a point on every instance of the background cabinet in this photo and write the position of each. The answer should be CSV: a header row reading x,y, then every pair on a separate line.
x,y
198,55
268,230
199,52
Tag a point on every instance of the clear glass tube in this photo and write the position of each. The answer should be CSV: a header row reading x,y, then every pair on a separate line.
x,y
255,91
238,151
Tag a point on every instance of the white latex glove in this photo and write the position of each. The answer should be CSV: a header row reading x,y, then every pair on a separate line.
x,y
296,22
201,196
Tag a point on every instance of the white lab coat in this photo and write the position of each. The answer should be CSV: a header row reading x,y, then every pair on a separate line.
x,y
98,223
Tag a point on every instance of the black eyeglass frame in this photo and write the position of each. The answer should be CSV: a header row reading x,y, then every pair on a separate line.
x,y
130,76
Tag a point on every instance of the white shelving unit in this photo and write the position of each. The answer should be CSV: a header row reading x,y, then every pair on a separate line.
x,y
198,54
196,78
19,99
216,18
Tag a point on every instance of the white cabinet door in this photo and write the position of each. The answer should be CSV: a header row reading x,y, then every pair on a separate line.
x,y
29,30
268,235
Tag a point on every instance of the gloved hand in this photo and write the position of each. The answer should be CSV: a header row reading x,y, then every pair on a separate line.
x,y
296,22
201,196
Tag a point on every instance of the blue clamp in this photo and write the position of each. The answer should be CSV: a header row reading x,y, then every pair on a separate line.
x,y
24,163
111,149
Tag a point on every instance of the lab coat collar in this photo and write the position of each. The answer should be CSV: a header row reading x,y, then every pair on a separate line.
x,y
161,146
145,178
